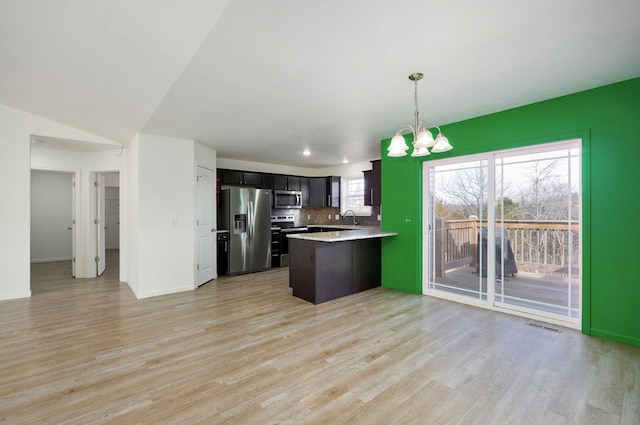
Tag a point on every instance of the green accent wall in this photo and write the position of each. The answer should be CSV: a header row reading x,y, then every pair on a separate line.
x,y
608,121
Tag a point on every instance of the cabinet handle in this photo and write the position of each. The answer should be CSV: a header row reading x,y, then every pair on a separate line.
x,y
371,196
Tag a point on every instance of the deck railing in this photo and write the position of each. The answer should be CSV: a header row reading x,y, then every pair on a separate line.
x,y
546,247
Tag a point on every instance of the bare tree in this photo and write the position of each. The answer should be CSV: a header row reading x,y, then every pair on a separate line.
x,y
463,191
545,195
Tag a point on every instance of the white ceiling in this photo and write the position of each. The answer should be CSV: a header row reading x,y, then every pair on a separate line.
x,y
262,80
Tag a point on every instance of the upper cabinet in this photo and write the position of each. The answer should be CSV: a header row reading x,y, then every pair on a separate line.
x,y
324,191
316,191
243,178
281,182
372,184
267,181
304,188
333,191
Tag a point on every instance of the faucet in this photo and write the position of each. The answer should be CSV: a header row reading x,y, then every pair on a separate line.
x,y
344,214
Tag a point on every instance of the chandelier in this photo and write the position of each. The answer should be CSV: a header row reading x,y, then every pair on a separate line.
x,y
422,136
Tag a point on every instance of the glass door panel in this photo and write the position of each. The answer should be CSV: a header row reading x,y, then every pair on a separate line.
x,y
537,211
457,208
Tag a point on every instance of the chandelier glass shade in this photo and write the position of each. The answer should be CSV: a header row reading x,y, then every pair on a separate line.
x,y
422,135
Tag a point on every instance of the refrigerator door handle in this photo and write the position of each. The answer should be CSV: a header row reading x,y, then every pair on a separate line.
x,y
250,221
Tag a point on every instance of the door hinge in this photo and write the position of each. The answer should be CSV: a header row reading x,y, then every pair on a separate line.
x,y
95,221
95,184
197,266
97,259
73,259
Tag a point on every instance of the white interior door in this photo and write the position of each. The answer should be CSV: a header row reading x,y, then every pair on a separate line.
x,y
205,225
100,225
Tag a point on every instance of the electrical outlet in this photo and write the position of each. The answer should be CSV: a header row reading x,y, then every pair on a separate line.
x,y
378,217
328,216
337,216
308,216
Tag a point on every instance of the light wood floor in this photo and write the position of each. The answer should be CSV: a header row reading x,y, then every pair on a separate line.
x,y
242,350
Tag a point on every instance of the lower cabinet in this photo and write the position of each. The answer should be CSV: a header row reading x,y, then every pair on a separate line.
x,y
323,271
223,252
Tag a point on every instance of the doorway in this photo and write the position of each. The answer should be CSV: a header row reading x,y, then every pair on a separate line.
x,y
503,231
52,216
106,219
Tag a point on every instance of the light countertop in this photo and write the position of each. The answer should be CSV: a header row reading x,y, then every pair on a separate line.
x,y
350,233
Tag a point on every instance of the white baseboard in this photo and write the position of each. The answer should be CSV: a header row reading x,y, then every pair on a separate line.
x,y
15,295
49,260
163,292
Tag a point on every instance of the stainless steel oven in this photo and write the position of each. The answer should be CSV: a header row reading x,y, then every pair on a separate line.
x,y
286,225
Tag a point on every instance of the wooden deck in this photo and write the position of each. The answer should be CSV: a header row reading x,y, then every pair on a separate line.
x,y
548,293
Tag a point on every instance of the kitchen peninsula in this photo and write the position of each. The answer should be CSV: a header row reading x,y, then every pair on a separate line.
x,y
329,265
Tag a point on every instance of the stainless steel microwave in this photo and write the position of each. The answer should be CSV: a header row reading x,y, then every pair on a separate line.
x,y
287,199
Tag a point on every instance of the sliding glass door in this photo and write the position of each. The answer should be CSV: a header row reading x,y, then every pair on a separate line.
x,y
538,209
457,210
502,230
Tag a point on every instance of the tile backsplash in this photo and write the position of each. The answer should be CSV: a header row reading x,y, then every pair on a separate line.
x,y
327,216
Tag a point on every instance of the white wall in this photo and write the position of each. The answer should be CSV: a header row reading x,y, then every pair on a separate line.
x,y
133,217
162,237
16,128
347,170
343,170
51,216
235,164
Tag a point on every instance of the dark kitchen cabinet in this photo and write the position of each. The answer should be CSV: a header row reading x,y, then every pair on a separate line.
x,y
267,181
223,252
304,188
317,192
333,191
275,248
232,177
323,271
281,182
372,184
244,178
324,191
252,179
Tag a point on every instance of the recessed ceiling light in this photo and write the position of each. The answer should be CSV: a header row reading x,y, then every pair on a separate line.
x,y
306,152
345,161
38,142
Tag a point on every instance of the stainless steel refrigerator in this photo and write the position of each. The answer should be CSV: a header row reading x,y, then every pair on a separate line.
x,y
246,213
